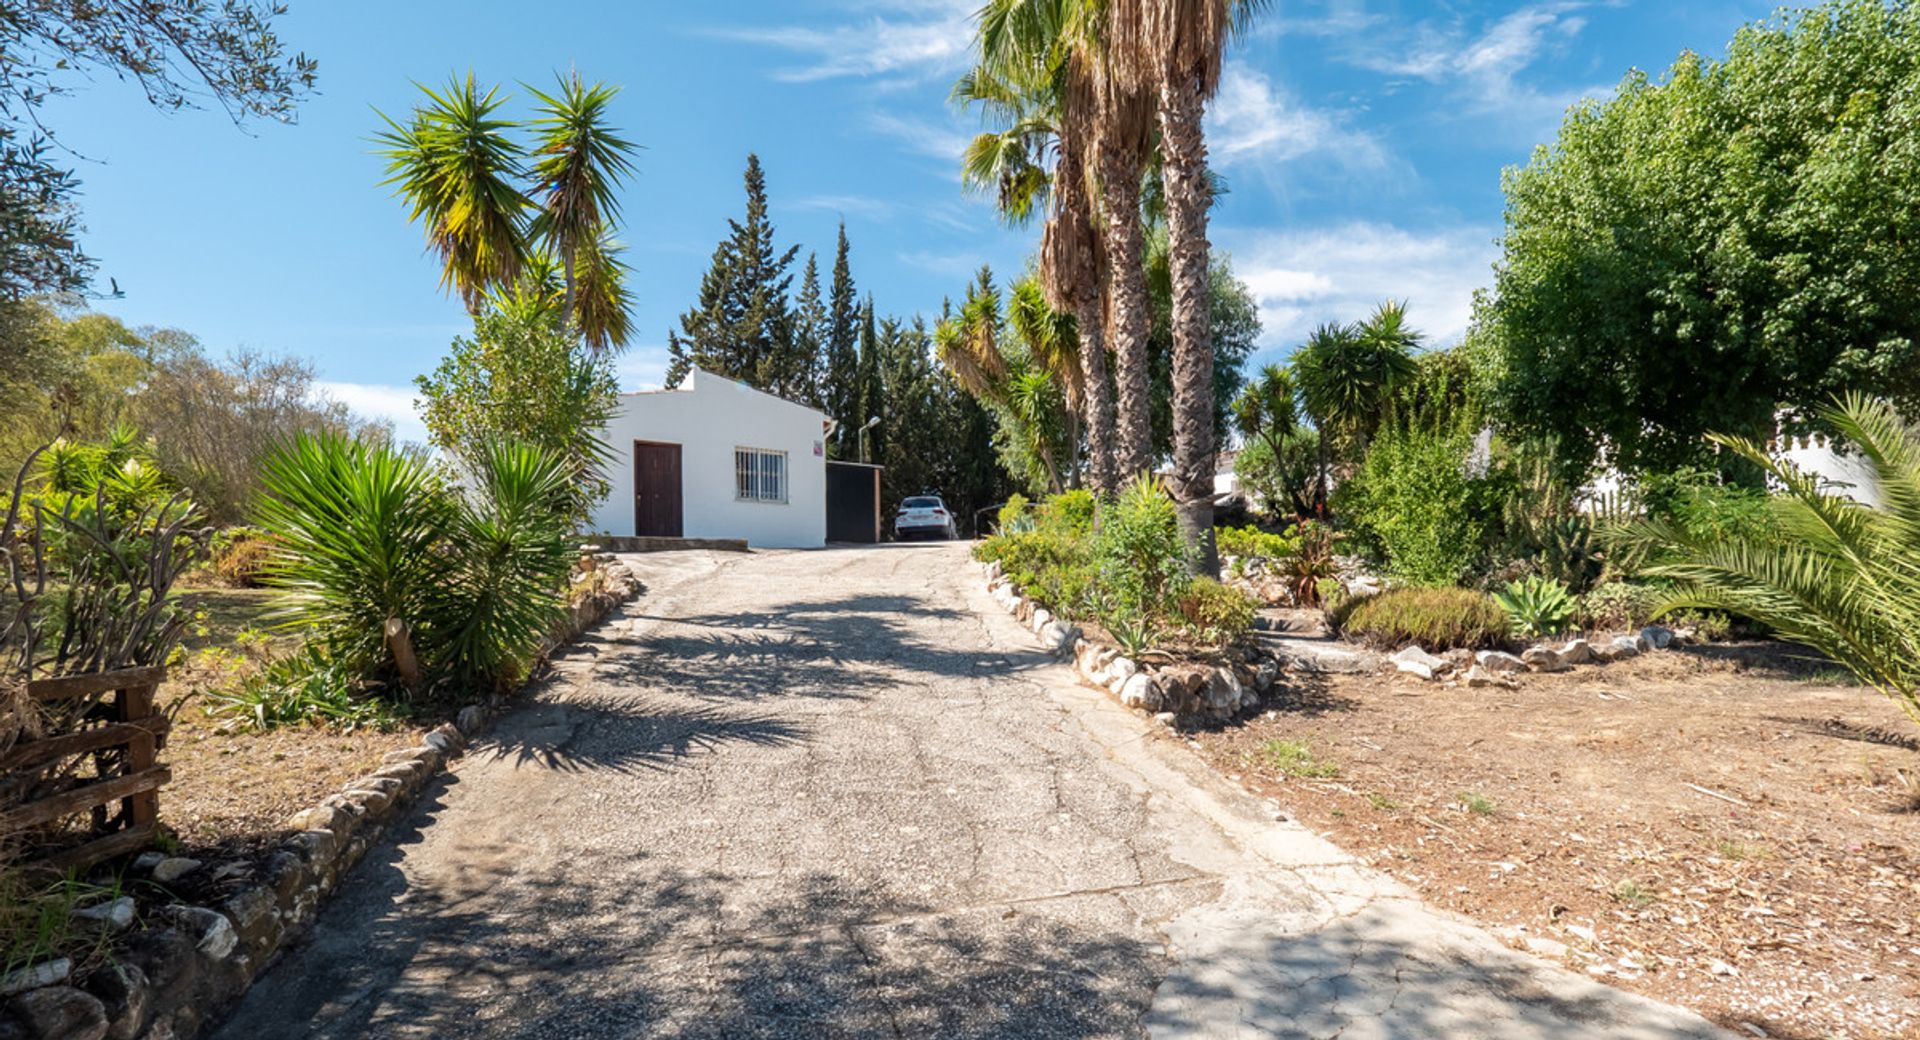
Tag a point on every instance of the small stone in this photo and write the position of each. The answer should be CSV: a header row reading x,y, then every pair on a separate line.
x,y
123,993
1577,652
1166,718
1540,946
1544,659
1417,662
1479,676
320,818
146,861
1140,691
1265,675
216,934
34,976
1622,647
1497,661
1720,967
111,916
470,719
445,738
1657,637
174,868
1583,933
60,1013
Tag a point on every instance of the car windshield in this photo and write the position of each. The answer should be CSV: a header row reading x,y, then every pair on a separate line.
x,y
921,503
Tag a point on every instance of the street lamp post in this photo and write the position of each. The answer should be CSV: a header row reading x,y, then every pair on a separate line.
x,y
871,423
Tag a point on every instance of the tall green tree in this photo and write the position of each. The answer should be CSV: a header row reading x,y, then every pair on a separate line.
x,y
1173,50
841,386
810,331
1736,237
742,326
472,185
579,162
870,385
522,378
458,168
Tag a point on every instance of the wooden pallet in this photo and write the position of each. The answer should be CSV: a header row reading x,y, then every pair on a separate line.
x,y
124,797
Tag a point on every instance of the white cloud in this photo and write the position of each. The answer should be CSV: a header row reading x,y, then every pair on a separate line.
x,y
1485,67
1254,120
642,367
380,402
1340,273
916,39
862,205
936,141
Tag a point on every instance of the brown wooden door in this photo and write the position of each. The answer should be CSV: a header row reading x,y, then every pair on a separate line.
x,y
656,490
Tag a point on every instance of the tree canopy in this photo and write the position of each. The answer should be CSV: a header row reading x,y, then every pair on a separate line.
x,y
1732,239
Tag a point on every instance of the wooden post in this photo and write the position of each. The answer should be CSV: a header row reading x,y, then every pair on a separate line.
x,y
132,704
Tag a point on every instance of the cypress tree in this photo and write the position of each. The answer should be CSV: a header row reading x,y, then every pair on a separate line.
x,y
841,390
742,326
810,335
870,389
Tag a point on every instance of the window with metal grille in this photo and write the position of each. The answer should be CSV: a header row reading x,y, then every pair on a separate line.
x,y
759,476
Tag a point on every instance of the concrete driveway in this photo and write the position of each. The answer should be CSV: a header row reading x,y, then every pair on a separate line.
x,y
838,794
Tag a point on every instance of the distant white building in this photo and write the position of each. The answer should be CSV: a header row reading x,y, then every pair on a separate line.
x,y
714,458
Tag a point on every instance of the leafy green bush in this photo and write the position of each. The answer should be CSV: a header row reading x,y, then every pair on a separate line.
x,y
1070,511
1704,508
1438,618
1048,556
1213,614
1414,505
1823,570
1012,513
1250,541
308,686
388,565
1618,606
1536,606
1138,553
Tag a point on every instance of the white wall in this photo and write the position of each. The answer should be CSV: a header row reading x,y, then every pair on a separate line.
x,y
709,417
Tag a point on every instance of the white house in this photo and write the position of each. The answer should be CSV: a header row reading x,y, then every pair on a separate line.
x,y
714,458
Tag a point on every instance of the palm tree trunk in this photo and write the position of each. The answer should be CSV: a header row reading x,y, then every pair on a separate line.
x,y
1183,146
1099,398
1128,315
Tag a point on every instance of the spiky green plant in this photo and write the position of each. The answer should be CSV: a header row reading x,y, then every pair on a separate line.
x,y
1536,606
1836,575
360,534
514,554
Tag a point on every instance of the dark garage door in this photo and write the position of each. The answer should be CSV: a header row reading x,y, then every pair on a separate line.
x,y
853,503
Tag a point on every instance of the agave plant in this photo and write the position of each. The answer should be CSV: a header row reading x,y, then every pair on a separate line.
x,y
1536,606
1839,576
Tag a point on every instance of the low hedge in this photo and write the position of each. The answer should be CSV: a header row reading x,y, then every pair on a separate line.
x,y
1439,619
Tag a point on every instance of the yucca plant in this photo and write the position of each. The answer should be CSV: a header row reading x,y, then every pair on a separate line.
x,y
515,552
360,541
1836,575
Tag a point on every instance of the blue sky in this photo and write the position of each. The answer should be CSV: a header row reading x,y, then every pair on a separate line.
x,y
1362,141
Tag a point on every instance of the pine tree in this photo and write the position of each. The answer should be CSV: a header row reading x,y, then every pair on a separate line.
x,y
742,327
870,386
810,336
840,392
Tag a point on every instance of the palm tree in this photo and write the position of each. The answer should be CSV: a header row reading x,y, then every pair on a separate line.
x,y
1836,575
1104,128
579,162
1348,374
1022,367
1174,50
1033,162
457,169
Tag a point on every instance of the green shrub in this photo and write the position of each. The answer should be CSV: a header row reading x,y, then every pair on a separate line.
x,y
1414,505
308,686
1438,618
365,535
1536,606
1618,606
1139,555
1070,511
1250,541
1213,614
1011,515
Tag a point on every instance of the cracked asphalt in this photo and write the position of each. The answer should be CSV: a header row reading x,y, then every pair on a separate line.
x,y
839,794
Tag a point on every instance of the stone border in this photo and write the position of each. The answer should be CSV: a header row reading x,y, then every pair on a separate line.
x,y
1497,668
1170,693
192,962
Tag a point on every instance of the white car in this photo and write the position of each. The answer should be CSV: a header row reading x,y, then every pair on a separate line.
x,y
924,516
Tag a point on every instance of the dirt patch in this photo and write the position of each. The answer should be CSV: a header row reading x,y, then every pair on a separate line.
x,y
232,791
1725,828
